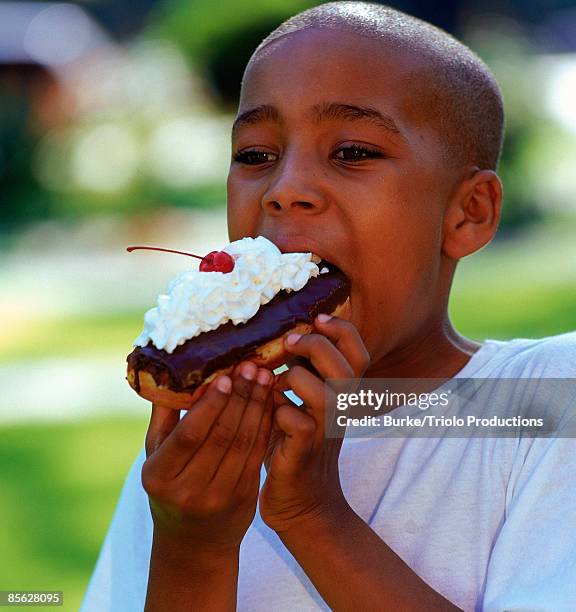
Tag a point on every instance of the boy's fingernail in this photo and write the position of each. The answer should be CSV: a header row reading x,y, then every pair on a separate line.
x,y
263,377
293,338
324,318
224,384
248,371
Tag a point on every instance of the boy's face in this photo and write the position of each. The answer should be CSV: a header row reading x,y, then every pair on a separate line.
x,y
337,158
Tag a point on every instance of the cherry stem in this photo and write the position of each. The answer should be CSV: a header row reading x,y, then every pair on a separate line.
x,y
148,248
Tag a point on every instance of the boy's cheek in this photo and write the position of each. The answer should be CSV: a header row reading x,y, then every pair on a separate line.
x,y
234,228
243,211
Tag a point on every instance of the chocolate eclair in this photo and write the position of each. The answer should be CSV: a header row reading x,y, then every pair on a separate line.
x,y
167,370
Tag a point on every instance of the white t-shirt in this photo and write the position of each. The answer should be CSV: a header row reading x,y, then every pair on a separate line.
x,y
490,523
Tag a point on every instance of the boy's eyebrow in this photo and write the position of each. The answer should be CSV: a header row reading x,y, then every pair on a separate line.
x,y
320,112
352,112
264,112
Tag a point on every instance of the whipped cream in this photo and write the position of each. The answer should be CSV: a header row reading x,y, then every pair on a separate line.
x,y
198,302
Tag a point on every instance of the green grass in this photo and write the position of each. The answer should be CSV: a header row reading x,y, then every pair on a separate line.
x,y
515,311
77,336
59,487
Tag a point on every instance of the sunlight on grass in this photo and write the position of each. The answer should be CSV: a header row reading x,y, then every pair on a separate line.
x,y
82,336
518,311
60,484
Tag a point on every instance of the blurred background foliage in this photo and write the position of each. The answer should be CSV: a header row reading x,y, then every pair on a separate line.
x,y
114,130
195,26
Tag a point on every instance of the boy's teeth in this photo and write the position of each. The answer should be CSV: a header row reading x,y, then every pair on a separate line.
x,y
316,259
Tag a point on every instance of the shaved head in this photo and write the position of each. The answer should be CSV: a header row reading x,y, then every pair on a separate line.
x,y
451,88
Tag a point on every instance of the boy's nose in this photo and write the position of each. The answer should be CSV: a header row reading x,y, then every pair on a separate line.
x,y
294,189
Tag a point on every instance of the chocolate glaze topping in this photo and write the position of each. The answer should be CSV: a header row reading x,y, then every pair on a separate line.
x,y
190,363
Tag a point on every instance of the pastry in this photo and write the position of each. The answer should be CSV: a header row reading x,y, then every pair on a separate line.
x,y
210,321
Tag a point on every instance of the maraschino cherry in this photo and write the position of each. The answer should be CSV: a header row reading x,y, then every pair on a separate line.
x,y
215,261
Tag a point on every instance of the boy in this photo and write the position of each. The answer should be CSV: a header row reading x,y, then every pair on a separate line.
x,y
372,139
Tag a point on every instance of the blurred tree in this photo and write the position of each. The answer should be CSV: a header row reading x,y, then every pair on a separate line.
x,y
21,198
218,38
520,207
121,19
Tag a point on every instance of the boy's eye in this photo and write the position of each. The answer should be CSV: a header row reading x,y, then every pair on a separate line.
x,y
356,153
254,157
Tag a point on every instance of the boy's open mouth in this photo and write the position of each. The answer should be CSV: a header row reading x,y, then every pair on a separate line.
x,y
288,243
322,263
298,243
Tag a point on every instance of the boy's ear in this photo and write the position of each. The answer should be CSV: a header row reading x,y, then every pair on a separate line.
x,y
472,216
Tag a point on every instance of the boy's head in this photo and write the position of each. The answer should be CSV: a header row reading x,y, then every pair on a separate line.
x,y
371,138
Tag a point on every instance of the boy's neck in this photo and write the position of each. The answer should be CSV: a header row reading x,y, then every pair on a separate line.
x,y
441,353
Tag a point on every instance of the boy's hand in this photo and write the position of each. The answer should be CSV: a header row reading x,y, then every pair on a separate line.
x,y
303,480
202,472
